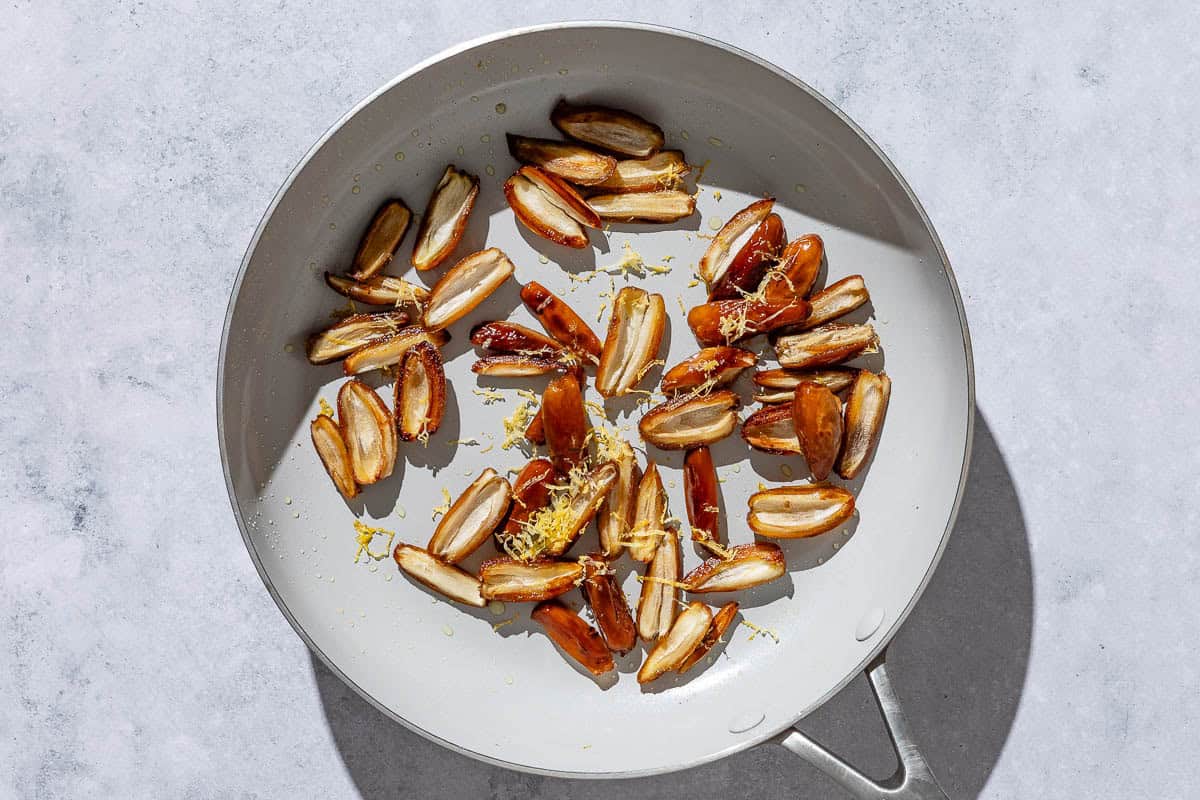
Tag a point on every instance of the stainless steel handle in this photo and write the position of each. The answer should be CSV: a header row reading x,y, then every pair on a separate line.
x,y
913,779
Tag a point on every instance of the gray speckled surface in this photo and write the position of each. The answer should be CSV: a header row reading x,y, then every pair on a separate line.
x,y
1053,147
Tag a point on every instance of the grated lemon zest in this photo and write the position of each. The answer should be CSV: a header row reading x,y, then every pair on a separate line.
x,y
365,535
326,409
444,508
516,423
658,362
549,527
498,625
472,442
759,631
489,395
716,547
664,581
682,307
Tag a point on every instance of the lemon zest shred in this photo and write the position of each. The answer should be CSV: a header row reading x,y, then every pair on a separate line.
x,y
326,409
663,581
444,508
472,442
759,631
365,535
498,625
489,395
516,423
658,362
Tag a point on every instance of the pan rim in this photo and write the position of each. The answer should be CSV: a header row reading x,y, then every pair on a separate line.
x,y
951,280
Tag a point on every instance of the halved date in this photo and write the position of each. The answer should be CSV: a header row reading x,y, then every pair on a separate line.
x,y
331,447
656,605
865,410
543,212
665,206
729,242
445,579
445,218
509,337
565,422
381,239
817,415
609,128
635,332
746,269
561,321
701,495
720,623
793,512
649,513
741,567
690,422
380,290
661,171
715,366
568,161
673,649
535,431
608,604
581,507
781,383
420,393
563,195
369,431
799,265
837,299
828,344
616,516
728,321
390,349
771,430
476,513
352,333
530,494
517,366
572,633
510,580
465,285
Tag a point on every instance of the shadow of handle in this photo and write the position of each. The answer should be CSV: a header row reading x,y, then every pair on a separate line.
x,y
913,779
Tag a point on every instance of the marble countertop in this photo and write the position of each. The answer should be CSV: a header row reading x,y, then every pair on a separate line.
x,y
1054,147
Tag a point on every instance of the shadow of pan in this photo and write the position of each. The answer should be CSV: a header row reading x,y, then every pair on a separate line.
x,y
958,665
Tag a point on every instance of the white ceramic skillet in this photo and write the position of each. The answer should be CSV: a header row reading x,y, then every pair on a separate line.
x,y
507,696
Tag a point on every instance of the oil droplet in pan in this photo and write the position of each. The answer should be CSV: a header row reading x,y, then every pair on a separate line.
x,y
485,138
869,623
715,223
744,722
501,108
399,155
